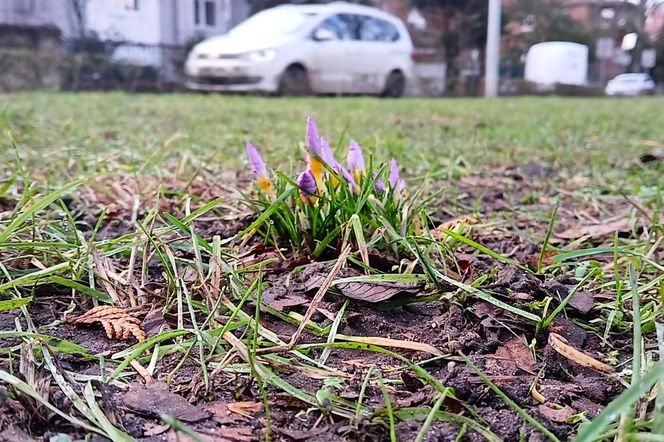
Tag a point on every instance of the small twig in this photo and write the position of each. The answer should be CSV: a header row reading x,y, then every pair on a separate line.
x,y
642,210
243,352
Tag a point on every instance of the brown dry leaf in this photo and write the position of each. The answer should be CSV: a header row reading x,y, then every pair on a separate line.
x,y
378,291
153,429
387,342
559,415
246,409
547,259
279,300
583,302
595,230
117,322
438,233
518,353
155,399
221,413
297,435
225,435
226,413
560,344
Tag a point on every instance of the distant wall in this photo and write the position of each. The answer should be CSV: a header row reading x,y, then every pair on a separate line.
x,y
29,57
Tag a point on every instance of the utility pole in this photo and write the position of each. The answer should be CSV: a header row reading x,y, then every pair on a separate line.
x,y
492,50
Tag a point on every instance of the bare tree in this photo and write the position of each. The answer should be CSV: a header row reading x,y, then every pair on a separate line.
x,y
78,11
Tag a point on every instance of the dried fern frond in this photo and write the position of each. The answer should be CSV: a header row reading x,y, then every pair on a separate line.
x,y
117,322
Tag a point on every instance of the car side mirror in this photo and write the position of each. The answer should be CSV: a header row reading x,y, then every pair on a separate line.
x,y
322,34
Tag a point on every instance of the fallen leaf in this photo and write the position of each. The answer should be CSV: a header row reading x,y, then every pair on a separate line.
x,y
378,291
282,299
155,399
221,413
154,323
439,232
246,409
519,353
560,344
583,302
226,435
300,434
595,230
547,260
559,415
117,322
387,342
153,429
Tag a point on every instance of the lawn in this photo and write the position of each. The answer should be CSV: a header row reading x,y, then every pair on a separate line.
x,y
512,291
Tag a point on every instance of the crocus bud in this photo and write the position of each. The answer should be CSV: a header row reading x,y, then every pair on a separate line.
x,y
394,173
380,184
355,160
258,167
308,189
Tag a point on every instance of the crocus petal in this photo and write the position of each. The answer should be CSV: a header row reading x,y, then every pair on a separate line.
x,y
317,170
355,159
401,185
380,184
313,139
258,167
326,153
307,185
350,180
394,173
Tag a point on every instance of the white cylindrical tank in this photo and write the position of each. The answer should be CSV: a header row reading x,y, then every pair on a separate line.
x,y
560,62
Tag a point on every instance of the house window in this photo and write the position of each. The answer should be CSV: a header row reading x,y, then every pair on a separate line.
x,y
197,12
210,13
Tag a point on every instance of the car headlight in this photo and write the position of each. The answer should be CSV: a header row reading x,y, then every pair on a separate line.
x,y
263,55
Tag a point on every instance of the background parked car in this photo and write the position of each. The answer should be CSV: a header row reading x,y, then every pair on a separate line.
x,y
631,84
339,48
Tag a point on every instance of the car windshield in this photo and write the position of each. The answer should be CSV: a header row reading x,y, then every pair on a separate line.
x,y
272,22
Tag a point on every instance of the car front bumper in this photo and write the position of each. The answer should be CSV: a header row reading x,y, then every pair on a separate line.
x,y
231,75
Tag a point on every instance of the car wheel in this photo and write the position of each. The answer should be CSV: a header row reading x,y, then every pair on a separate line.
x,y
294,81
395,85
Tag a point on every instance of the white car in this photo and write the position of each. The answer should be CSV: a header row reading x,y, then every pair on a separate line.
x,y
630,84
334,48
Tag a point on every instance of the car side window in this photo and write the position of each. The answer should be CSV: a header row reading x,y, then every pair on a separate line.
x,y
340,25
375,29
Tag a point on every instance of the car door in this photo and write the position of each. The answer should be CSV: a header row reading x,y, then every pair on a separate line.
x,y
332,59
378,50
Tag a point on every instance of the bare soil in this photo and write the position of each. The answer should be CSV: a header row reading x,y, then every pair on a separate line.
x,y
495,340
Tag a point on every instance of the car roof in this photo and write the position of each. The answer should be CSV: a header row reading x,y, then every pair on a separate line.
x,y
340,7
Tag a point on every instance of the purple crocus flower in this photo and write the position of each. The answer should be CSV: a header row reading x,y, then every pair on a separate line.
x,y
355,160
313,139
308,189
326,154
395,182
259,168
380,184
350,180
394,173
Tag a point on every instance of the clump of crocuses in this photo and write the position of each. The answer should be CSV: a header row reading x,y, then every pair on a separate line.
x,y
314,209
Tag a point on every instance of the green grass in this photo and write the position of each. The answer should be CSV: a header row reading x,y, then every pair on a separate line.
x,y
110,133
213,296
